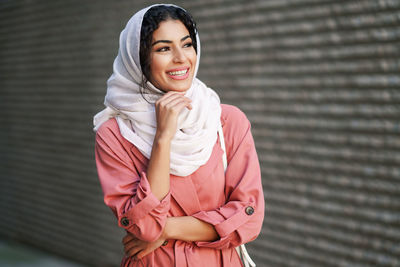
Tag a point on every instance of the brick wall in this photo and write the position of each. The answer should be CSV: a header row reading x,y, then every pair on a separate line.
x,y
319,80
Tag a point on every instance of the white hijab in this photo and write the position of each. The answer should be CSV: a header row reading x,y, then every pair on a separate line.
x,y
193,142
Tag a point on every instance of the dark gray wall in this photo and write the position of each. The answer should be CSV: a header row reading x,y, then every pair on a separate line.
x,y
319,80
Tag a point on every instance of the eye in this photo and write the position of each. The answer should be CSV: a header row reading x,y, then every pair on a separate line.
x,y
190,44
162,49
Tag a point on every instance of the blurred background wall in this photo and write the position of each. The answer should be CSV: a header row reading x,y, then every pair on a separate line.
x,y
319,80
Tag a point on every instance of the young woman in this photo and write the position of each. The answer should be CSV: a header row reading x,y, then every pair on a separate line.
x,y
159,157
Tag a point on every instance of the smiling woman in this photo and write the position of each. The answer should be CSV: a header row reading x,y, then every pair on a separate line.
x,y
159,156
172,58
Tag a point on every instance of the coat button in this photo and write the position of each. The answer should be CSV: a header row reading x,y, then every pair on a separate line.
x,y
124,221
249,210
165,243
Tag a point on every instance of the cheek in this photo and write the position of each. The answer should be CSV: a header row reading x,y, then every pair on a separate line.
x,y
193,57
157,65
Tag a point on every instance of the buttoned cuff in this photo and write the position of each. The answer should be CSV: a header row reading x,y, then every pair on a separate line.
x,y
146,209
225,226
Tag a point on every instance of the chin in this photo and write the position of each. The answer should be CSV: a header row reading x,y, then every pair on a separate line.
x,y
178,87
182,89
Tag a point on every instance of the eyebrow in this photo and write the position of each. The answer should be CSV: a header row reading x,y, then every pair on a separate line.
x,y
168,41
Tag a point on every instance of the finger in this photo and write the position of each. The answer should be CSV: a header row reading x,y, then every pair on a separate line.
x,y
173,108
128,238
178,101
168,96
177,107
148,249
130,245
171,97
142,253
132,252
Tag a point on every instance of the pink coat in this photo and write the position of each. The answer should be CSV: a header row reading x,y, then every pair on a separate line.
x,y
232,203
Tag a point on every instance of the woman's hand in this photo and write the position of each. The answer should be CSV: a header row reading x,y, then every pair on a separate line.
x,y
137,248
168,108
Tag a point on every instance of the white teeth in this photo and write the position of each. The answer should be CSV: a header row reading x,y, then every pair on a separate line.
x,y
179,73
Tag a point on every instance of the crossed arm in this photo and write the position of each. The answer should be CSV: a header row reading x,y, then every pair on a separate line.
x,y
186,228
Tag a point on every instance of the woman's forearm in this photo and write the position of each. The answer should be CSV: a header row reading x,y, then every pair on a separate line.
x,y
158,168
188,228
167,108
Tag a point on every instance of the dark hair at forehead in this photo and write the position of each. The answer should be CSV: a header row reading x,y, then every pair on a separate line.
x,y
151,21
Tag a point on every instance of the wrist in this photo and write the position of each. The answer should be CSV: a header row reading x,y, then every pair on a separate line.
x,y
170,228
167,229
162,139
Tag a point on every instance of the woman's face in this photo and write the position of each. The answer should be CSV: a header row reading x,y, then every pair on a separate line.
x,y
173,58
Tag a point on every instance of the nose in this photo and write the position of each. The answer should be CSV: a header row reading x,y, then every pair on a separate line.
x,y
179,55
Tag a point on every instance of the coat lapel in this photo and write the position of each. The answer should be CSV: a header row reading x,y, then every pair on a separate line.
x,y
184,192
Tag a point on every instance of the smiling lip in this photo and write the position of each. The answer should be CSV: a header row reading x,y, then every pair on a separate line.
x,y
174,73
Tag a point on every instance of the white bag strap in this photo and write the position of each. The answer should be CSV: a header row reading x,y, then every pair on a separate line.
x,y
241,250
222,141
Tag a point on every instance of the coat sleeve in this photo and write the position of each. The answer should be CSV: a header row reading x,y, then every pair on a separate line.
x,y
240,219
127,191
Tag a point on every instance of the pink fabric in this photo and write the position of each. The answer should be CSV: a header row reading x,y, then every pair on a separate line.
x,y
207,194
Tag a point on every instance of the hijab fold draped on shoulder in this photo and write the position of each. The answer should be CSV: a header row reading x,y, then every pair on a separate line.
x,y
194,140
